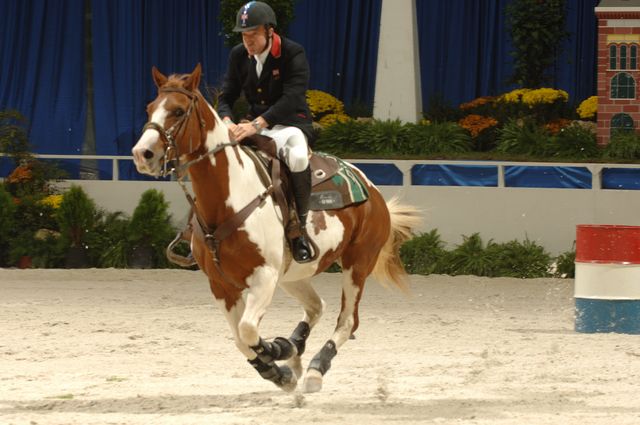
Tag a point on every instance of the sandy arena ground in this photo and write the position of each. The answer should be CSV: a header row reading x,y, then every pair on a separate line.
x,y
149,347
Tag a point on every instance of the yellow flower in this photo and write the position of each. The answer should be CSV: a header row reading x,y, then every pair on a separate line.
x,y
544,95
53,201
321,103
331,119
514,96
588,108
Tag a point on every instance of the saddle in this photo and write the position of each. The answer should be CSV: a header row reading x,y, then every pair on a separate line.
x,y
334,185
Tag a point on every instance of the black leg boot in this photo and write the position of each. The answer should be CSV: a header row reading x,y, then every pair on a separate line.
x,y
301,186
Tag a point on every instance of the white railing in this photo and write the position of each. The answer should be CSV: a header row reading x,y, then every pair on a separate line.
x,y
404,166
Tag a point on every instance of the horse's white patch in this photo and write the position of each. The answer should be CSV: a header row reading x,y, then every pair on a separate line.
x,y
327,240
150,140
345,320
217,136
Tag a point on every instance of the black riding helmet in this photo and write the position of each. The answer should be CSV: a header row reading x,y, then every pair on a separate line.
x,y
254,14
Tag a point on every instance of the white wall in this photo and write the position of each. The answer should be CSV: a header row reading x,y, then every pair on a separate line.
x,y
398,92
547,216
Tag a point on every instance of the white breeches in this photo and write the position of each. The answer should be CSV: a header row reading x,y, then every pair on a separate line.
x,y
291,146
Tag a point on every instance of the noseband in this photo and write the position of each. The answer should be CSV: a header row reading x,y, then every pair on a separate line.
x,y
169,136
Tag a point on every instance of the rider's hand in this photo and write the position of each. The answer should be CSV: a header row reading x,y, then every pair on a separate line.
x,y
243,130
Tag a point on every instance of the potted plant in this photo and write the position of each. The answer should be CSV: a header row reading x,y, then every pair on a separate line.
x,y
7,224
150,231
76,215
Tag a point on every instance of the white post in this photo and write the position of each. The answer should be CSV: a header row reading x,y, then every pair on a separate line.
x,y
398,71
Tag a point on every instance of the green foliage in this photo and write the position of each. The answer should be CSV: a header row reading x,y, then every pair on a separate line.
x,y
521,259
383,136
440,110
392,136
473,257
112,232
424,254
523,137
623,145
31,215
7,224
77,216
575,142
13,136
436,138
229,9
537,30
150,226
565,265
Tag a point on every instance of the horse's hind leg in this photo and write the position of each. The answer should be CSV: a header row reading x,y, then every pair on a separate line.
x,y
313,307
352,286
264,354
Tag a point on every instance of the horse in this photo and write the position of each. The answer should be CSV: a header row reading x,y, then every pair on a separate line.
x,y
246,265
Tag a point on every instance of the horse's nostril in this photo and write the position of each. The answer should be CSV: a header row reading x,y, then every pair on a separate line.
x,y
147,154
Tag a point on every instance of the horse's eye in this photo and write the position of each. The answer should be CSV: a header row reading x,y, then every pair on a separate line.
x,y
178,112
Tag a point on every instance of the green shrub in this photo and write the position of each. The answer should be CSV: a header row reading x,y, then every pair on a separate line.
x,y
523,137
343,137
424,254
521,259
575,142
386,137
473,257
435,138
623,145
7,224
150,227
76,216
111,235
440,110
566,265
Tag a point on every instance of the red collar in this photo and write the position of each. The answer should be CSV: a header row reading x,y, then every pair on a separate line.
x,y
276,46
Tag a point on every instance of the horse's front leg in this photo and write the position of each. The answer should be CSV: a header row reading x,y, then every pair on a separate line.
x,y
264,354
313,307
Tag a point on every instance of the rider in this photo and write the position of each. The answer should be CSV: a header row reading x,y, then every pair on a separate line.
x,y
273,73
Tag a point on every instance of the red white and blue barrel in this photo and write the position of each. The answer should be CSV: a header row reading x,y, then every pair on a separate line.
x,y
607,283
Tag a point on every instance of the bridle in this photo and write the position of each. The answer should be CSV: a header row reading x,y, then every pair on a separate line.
x,y
169,136
213,236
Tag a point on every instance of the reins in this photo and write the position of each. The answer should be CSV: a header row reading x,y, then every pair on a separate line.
x,y
213,237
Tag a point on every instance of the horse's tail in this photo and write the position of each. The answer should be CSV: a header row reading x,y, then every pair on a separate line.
x,y
389,268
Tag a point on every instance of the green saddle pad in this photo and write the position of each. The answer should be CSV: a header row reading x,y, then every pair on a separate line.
x,y
335,183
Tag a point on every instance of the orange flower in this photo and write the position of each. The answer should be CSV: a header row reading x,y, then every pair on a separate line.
x,y
477,102
555,126
476,124
20,174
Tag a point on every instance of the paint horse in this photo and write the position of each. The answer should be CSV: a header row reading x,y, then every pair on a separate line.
x,y
244,268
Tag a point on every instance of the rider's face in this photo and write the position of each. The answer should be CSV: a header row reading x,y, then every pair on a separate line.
x,y
255,41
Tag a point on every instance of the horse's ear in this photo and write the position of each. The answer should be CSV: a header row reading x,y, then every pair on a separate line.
x,y
158,77
194,79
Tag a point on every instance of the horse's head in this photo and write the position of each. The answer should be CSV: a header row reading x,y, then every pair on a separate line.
x,y
176,124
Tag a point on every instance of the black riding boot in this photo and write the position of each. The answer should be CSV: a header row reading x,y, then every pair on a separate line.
x,y
301,186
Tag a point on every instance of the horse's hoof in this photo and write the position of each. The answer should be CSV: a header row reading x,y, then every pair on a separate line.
x,y
289,380
295,363
312,381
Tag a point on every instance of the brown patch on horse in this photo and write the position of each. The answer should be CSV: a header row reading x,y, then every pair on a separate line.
x,y
318,222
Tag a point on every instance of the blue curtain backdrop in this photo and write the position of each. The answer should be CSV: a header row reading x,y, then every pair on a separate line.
x,y
131,36
464,52
341,41
42,70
